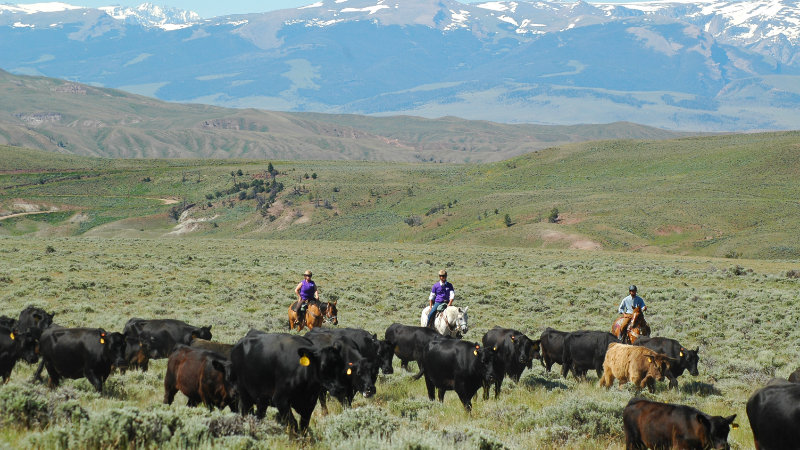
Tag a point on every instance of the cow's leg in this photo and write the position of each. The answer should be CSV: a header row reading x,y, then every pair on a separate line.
x,y
285,416
245,403
37,377
565,370
486,388
261,409
430,386
96,381
169,387
404,365
463,395
323,402
673,381
497,385
441,394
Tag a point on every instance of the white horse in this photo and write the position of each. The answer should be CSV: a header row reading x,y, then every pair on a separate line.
x,y
450,322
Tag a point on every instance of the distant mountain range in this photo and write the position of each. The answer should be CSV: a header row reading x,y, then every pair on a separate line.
x,y
66,117
702,66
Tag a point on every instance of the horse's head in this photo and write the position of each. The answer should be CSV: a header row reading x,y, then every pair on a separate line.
x,y
461,321
332,313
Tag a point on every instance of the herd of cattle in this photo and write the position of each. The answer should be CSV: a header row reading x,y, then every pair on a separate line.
x,y
293,372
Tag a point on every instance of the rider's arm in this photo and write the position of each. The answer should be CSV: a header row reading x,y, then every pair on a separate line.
x,y
431,297
622,307
297,290
452,296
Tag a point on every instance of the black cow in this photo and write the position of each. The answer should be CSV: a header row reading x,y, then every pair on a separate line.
x,y
514,352
285,371
456,365
33,317
794,377
80,352
585,350
368,344
684,359
552,347
162,335
409,343
202,376
361,372
15,345
8,322
219,347
774,413
663,425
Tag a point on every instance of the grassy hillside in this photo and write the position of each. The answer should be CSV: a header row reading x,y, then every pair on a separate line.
x,y
235,284
65,117
733,196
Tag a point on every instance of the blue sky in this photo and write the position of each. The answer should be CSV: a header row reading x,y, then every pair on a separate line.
x,y
213,8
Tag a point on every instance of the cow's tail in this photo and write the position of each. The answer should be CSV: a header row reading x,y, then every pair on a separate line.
x,y
37,377
419,374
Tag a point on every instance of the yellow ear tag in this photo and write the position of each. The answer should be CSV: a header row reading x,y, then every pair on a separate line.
x,y
304,361
102,341
475,352
12,336
681,354
495,348
349,371
734,425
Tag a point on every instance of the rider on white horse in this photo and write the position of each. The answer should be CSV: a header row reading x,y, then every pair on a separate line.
x,y
441,293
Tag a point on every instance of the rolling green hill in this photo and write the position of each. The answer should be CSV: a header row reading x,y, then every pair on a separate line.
x,y
64,117
730,196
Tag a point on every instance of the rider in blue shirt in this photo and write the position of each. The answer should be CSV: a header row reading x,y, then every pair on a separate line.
x,y
627,306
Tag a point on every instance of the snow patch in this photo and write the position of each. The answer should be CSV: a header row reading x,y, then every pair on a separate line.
x,y
369,9
313,5
33,8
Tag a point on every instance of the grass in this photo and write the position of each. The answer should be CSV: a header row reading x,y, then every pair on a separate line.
x,y
715,196
238,284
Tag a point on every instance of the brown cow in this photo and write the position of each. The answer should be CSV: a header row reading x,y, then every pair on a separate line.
x,y
663,425
219,347
202,376
639,365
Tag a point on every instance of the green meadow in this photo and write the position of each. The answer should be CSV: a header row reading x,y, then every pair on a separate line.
x,y
704,226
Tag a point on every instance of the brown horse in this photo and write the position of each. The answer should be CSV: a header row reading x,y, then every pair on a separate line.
x,y
312,318
330,311
637,326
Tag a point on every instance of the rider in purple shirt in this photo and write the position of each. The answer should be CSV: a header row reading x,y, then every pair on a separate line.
x,y
441,293
306,290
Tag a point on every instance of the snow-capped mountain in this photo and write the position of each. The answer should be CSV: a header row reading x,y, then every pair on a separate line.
x,y
713,65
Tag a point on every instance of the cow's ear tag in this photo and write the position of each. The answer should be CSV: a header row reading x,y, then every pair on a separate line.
x,y
495,348
304,361
512,337
734,426
349,371
681,354
12,336
475,352
102,341
649,359
349,364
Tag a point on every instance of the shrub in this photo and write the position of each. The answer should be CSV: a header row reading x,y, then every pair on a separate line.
x,y
507,220
580,419
553,217
24,405
794,273
363,422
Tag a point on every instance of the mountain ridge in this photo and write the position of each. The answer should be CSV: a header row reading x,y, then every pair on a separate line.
x,y
712,66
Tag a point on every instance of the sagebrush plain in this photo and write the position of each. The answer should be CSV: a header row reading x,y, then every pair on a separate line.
x,y
740,313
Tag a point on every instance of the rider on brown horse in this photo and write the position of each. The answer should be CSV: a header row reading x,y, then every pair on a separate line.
x,y
626,308
306,291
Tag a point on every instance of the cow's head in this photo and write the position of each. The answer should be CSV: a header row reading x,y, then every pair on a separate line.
x,y
361,375
28,342
525,349
330,367
8,322
657,366
114,347
689,360
486,358
717,428
201,333
137,350
228,382
386,354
